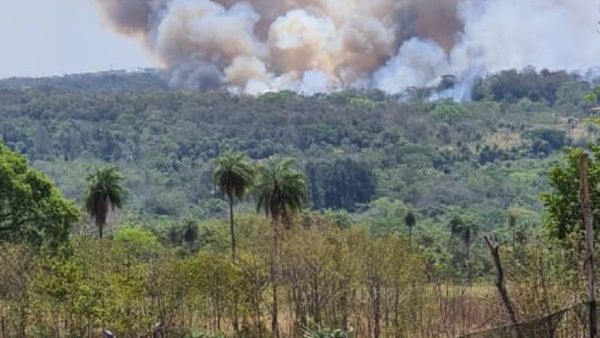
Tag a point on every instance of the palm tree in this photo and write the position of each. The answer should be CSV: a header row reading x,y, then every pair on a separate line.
x,y
410,221
465,231
281,188
234,176
281,191
104,192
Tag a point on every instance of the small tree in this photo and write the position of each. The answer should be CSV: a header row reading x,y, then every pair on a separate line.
x,y
32,209
104,192
562,205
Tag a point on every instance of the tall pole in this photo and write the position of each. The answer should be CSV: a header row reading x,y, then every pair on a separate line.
x,y
588,220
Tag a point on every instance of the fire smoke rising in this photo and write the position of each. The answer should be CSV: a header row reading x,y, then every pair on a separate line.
x,y
322,45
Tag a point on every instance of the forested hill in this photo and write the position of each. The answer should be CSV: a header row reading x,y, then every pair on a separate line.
x,y
365,152
113,81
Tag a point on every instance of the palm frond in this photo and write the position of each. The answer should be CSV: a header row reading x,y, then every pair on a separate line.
x,y
104,192
281,188
233,175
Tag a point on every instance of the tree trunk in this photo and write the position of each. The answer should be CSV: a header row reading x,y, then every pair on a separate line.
x,y
232,227
316,300
545,293
344,308
514,236
588,220
236,317
218,301
396,312
468,260
377,312
501,287
2,323
274,310
23,321
258,318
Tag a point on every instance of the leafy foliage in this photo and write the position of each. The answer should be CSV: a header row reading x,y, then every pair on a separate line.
x,y
555,139
325,333
342,183
132,282
512,85
563,208
448,112
32,210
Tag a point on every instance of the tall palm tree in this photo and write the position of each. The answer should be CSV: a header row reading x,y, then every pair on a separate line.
x,y
281,191
465,231
104,192
410,221
234,176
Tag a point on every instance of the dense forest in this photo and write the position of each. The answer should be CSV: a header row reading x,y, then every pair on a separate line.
x,y
360,150
381,236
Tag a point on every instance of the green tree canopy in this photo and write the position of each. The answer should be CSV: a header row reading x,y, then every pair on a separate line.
x,y
562,203
32,209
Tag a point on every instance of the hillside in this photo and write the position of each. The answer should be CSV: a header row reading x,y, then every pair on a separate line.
x,y
368,153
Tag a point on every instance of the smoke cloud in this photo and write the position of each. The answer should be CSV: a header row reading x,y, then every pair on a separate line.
x,y
312,46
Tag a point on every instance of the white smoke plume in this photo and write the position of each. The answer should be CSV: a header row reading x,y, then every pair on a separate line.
x,y
312,46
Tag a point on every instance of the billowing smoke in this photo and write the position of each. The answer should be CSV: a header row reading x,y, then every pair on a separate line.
x,y
313,46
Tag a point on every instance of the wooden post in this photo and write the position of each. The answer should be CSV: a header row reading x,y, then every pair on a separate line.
x,y
494,248
588,220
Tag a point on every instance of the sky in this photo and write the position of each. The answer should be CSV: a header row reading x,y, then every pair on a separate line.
x,y
57,37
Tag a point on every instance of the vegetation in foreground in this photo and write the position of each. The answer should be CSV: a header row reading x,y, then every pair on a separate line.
x,y
319,271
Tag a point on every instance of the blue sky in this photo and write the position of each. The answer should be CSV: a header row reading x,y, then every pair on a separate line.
x,y
55,37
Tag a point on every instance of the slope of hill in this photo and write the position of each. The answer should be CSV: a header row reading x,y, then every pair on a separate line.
x,y
364,152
